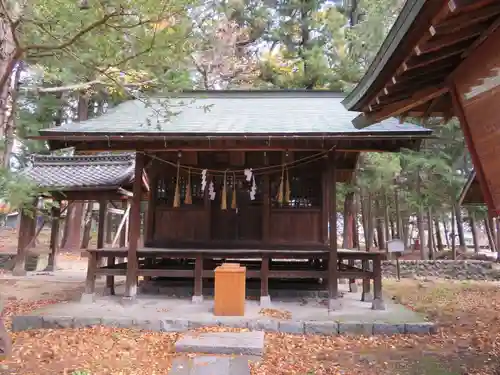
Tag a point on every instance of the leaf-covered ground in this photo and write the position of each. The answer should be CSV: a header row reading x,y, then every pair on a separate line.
x,y
467,342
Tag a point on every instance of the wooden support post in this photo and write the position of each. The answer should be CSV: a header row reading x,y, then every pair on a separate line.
x,y
353,287
88,295
198,279
378,301
26,225
135,230
123,231
366,295
54,239
333,287
265,299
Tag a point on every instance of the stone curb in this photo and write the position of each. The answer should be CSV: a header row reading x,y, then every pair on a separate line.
x,y
27,322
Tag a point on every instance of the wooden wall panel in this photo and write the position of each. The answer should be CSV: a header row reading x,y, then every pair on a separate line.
x,y
295,226
187,224
477,83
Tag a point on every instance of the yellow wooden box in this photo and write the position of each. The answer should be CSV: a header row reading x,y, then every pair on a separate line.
x,y
230,284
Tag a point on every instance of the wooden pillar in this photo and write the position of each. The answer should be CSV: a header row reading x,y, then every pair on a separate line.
x,y
135,230
333,288
198,279
122,240
54,238
378,301
366,295
265,299
88,295
353,287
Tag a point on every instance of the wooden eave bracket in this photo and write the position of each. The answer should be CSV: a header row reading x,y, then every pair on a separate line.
x,y
398,108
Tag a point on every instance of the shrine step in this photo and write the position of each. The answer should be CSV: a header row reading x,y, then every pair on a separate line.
x,y
211,365
237,343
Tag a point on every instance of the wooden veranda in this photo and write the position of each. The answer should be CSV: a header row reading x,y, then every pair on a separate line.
x,y
252,178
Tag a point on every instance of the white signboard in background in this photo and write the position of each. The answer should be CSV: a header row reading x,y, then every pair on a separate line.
x,y
395,246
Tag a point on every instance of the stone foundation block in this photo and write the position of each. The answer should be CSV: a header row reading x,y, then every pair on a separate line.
x,y
118,322
237,343
267,325
290,326
388,329
321,328
86,322
26,322
420,328
174,325
148,325
57,322
355,328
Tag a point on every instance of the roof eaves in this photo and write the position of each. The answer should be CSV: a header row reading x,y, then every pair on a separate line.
x,y
403,23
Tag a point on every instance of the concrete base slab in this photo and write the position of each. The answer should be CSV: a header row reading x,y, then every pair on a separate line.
x,y
334,304
239,343
197,300
366,297
378,304
87,298
210,365
181,315
265,301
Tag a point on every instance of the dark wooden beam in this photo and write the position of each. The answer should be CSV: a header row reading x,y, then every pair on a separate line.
x,y
400,107
467,19
333,288
441,41
433,57
54,238
484,35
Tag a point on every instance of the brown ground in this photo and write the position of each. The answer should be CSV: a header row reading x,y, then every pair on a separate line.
x,y
467,342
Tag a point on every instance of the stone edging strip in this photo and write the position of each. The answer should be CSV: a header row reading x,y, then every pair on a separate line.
x,y
27,322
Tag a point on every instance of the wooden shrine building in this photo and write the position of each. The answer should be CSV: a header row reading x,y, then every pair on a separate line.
x,y
441,59
238,175
101,178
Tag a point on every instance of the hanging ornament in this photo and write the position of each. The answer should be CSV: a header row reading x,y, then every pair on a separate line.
x,y
287,187
253,189
280,196
203,180
188,199
223,202
211,191
248,174
234,206
177,194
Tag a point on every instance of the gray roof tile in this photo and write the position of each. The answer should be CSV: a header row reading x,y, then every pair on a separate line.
x,y
82,171
233,112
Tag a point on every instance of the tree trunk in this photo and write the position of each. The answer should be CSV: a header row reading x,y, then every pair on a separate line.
x,y
420,220
10,124
379,225
460,229
446,232
399,221
347,240
387,223
370,222
473,229
430,233
74,217
87,226
439,239
489,234
453,235
356,223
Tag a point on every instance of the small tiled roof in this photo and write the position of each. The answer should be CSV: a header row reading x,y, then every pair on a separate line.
x,y
81,171
233,112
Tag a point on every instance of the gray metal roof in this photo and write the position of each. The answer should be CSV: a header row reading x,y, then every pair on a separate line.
x,y
232,112
82,171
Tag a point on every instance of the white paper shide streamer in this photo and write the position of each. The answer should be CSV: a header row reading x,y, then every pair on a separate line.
x,y
211,191
203,179
248,174
253,189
